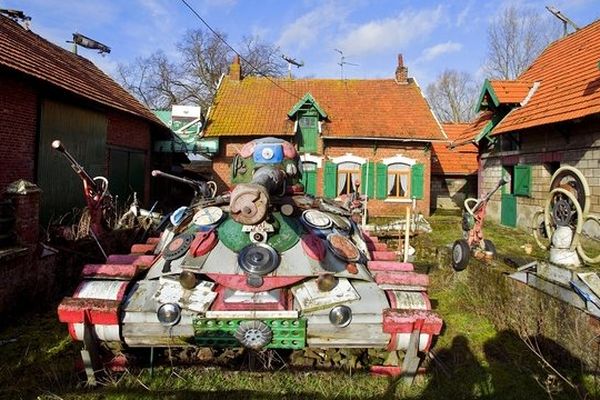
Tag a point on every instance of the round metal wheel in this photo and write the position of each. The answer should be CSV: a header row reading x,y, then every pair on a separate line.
x,y
461,253
178,246
258,259
253,334
563,211
572,179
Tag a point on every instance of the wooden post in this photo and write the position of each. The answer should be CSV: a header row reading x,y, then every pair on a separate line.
x,y
412,360
90,354
406,234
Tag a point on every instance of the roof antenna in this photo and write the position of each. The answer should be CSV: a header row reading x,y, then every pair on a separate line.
x,y
84,41
343,62
292,61
564,19
17,15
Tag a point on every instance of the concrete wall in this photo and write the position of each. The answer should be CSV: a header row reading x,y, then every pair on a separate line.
x,y
373,151
449,191
574,144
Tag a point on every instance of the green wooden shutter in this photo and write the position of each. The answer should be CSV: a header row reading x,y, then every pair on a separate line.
x,y
309,181
382,181
508,210
367,179
522,176
330,180
417,181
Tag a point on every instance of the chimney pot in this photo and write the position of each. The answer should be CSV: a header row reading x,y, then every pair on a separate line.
x,y
401,71
235,69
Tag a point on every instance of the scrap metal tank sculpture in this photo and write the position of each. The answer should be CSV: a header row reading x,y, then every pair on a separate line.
x,y
265,267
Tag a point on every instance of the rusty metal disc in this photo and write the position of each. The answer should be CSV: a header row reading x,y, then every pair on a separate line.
x,y
343,247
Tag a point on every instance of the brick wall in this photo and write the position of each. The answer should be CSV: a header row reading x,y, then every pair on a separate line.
x,y
450,192
575,144
335,148
18,129
130,132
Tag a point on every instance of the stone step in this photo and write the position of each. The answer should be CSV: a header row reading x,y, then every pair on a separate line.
x,y
109,271
377,246
384,255
402,278
143,248
153,240
390,266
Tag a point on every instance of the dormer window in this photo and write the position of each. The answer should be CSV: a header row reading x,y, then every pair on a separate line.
x,y
307,114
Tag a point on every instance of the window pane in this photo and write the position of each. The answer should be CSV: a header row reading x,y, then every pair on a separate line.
x,y
392,185
349,166
309,166
308,122
342,183
398,167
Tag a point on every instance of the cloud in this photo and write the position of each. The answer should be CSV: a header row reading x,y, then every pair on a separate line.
x,y
462,15
308,28
390,33
434,52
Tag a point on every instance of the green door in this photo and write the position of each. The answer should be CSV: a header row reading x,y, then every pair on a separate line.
x,y
508,210
126,174
309,132
83,133
309,178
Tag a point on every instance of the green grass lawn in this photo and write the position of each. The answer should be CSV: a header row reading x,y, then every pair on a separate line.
x,y
472,359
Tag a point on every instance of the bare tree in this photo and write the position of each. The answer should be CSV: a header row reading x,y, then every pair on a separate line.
x,y
193,75
452,96
516,37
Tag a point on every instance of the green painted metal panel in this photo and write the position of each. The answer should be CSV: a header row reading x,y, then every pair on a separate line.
x,y
330,180
522,184
508,210
417,180
83,132
367,177
382,181
287,233
287,333
309,181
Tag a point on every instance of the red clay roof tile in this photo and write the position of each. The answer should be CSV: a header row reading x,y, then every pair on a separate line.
x,y
377,108
511,92
456,161
569,79
24,51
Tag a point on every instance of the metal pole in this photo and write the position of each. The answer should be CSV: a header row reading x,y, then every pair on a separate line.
x,y
406,233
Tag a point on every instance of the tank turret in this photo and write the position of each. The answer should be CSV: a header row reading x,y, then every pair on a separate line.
x,y
268,267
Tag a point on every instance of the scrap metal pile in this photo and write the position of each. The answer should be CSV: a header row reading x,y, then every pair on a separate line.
x,y
264,267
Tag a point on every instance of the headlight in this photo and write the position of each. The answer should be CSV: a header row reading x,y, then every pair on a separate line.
x,y
340,316
169,314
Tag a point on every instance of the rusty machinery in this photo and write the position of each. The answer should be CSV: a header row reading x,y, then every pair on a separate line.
x,y
95,191
472,226
559,226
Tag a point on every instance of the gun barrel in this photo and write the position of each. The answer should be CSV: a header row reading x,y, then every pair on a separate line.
x,y
191,182
78,168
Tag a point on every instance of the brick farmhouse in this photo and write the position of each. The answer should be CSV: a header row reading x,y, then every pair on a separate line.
x,y
547,118
376,131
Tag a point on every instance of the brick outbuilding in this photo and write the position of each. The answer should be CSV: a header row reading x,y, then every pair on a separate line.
x,y
47,93
376,131
547,118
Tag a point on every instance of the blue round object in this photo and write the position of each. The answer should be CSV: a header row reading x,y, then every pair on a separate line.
x,y
178,215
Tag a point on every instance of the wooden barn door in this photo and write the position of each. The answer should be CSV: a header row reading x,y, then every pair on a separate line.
x,y
83,132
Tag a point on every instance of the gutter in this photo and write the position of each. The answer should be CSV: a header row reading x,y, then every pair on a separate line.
x,y
384,138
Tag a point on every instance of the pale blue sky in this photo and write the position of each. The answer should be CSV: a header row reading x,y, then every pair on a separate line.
x,y
432,35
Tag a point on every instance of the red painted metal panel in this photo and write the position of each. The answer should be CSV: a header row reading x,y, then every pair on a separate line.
x,y
402,278
153,240
313,247
406,321
238,282
220,305
93,311
203,243
143,248
114,271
